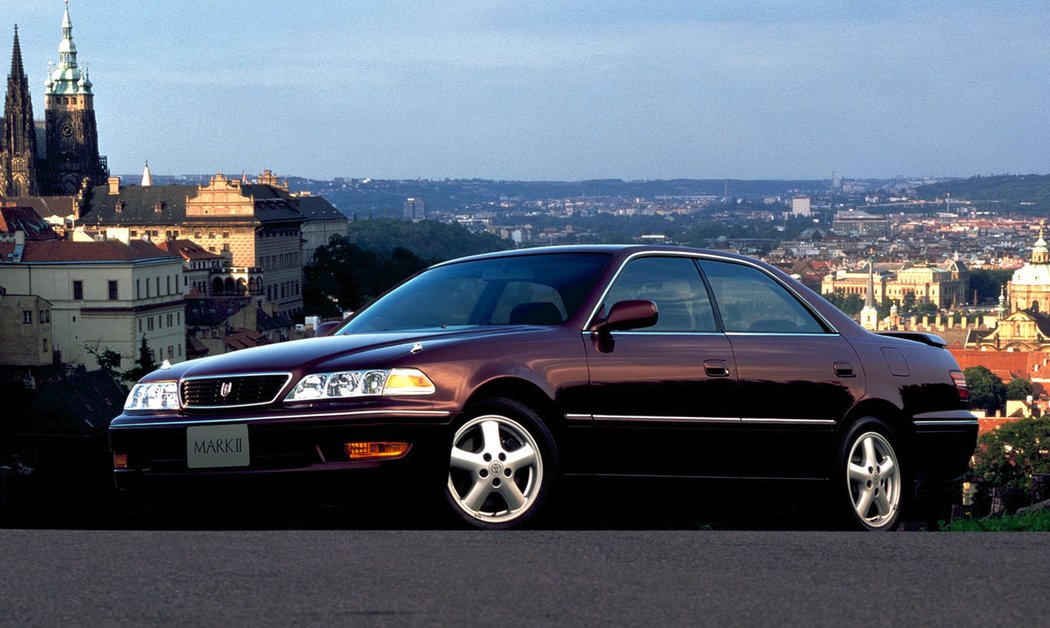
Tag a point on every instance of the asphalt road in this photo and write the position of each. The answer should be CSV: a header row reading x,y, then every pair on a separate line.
x,y
551,577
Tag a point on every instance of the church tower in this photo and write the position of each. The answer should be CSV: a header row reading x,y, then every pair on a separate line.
x,y
69,111
869,314
18,173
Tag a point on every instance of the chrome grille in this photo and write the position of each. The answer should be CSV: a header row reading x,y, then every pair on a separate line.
x,y
232,391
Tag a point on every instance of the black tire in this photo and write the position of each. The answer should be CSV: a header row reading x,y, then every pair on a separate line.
x,y
869,480
503,464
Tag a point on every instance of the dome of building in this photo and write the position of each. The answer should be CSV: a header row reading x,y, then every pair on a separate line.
x,y
1030,286
1032,275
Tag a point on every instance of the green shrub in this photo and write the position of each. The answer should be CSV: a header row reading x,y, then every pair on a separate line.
x,y
1030,522
1011,454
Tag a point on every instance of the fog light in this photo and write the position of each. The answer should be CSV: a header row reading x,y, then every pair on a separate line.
x,y
120,461
376,450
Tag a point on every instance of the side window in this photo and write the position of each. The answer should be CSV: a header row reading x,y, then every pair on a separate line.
x,y
751,301
674,284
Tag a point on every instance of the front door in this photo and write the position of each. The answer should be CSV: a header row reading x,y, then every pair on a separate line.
x,y
663,398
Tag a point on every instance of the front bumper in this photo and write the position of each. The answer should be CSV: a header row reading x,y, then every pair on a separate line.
x,y
281,442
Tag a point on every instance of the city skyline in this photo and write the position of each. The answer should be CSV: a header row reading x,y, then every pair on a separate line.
x,y
597,89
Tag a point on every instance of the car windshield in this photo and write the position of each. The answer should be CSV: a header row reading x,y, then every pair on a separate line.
x,y
521,290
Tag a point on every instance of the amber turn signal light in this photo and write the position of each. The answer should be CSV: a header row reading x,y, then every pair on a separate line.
x,y
120,461
376,450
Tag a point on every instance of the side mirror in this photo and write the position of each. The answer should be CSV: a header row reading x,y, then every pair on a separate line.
x,y
628,315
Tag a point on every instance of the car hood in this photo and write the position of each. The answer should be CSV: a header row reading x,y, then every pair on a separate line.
x,y
301,355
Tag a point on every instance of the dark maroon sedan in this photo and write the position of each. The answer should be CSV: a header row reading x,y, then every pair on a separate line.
x,y
500,374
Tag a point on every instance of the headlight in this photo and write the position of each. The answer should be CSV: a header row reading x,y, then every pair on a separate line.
x,y
367,383
154,396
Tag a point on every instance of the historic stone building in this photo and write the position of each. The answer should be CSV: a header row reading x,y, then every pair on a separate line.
x,y
1025,326
26,338
944,286
102,295
1029,289
256,226
18,153
67,161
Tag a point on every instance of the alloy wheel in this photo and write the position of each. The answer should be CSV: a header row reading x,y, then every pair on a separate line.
x,y
495,469
874,480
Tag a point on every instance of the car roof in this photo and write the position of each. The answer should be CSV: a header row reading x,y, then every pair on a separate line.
x,y
621,249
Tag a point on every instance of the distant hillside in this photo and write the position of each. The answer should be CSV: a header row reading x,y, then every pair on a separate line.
x,y
432,241
376,198
1028,193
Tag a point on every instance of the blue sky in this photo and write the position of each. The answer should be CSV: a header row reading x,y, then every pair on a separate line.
x,y
558,89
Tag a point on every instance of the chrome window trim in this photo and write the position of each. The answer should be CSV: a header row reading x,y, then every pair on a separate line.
x,y
287,378
823,334
635,332
712,256
319,415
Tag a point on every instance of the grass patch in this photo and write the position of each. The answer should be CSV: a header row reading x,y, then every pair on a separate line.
x,y
1031,522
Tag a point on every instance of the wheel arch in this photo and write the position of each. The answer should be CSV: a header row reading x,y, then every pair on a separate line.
x,y
888,413
520,390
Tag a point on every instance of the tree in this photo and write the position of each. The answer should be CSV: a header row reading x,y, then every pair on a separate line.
x,y
1010,455
908,302
987,391
108,359
145,363
1018,389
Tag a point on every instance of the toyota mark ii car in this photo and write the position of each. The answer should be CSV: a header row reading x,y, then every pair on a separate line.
x,y
496,376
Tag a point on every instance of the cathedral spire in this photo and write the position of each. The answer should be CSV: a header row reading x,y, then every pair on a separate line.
x,y
17,69
18,157
147,179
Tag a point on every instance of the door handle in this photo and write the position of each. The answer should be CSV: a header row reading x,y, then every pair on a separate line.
x,y
844,369
716,368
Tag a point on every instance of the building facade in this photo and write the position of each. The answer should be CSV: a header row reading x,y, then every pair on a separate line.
x,y
255,226
1029,288
323,222
944,286
104,296
26,337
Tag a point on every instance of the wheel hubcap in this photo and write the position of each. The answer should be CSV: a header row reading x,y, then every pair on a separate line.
x,y
873,476
495,471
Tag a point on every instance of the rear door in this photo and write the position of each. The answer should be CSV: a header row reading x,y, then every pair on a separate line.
x,y
797,376
663,398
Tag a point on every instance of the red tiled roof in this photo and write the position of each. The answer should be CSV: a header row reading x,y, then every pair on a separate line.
x,y
187,249
45,206
243,339
25,219
68,251
1008,365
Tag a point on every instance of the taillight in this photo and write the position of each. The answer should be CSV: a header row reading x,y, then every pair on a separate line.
x,y
960,385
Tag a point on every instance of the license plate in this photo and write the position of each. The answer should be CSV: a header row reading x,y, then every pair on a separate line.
x,y
211,446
